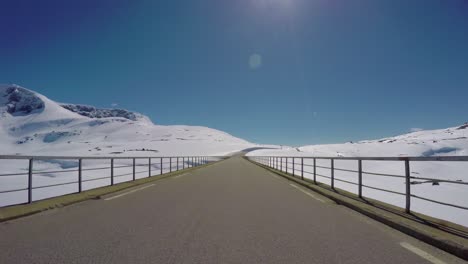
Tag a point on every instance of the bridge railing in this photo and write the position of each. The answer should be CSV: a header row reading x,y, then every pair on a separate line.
x,y
325,169
24,179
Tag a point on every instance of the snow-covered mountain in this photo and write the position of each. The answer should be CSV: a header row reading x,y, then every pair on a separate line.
x,y
441,142
32,124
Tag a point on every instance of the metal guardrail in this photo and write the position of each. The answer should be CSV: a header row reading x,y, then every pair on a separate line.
x,y
284,163
163,164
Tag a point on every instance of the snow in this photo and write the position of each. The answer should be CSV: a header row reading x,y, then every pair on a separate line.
x,y
32,124
50,128
442,142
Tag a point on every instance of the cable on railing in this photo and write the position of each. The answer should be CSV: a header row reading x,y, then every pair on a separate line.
x,y
58,171
383,174
122,175
95,169
126,166
439,202
323,167
340,180
14,190
380,189
13,174
96,179
440,180
53,185
320,175
340,169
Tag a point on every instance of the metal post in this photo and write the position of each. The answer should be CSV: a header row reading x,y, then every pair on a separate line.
x,y
30,174
281,167
80,175
183,163
161,167
315,171
302,168
112,172
170,164
286,165
360,178
177,164
149,167
294,169
408,186
134,175
332,173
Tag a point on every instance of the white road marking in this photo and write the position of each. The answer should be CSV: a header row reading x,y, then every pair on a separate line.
x,y
423,254
308,193
129,192
178,176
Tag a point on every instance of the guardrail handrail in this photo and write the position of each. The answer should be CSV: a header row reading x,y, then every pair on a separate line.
x,y
175,163
281,163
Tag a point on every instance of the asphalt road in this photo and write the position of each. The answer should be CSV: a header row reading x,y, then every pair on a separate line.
x,y
230,212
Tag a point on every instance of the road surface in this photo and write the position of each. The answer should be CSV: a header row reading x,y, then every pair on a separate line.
x,y
230,212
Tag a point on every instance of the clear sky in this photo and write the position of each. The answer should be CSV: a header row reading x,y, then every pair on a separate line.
x,y
271,71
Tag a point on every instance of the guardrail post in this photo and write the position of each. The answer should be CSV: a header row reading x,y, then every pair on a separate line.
x,y
281,166
183,163
161,167
315,171
408,186
360,178
302,168
134,174
294,167
286,165
177,167
30,174
332,173
170,164
112,172
80,175
149,167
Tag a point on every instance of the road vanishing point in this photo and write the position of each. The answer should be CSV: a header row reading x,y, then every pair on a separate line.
x,y
232,211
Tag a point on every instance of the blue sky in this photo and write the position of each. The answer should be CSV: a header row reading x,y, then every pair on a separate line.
x,y
271,71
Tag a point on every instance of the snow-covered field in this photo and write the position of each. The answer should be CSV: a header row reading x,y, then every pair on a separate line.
x,y
443,142
32,124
